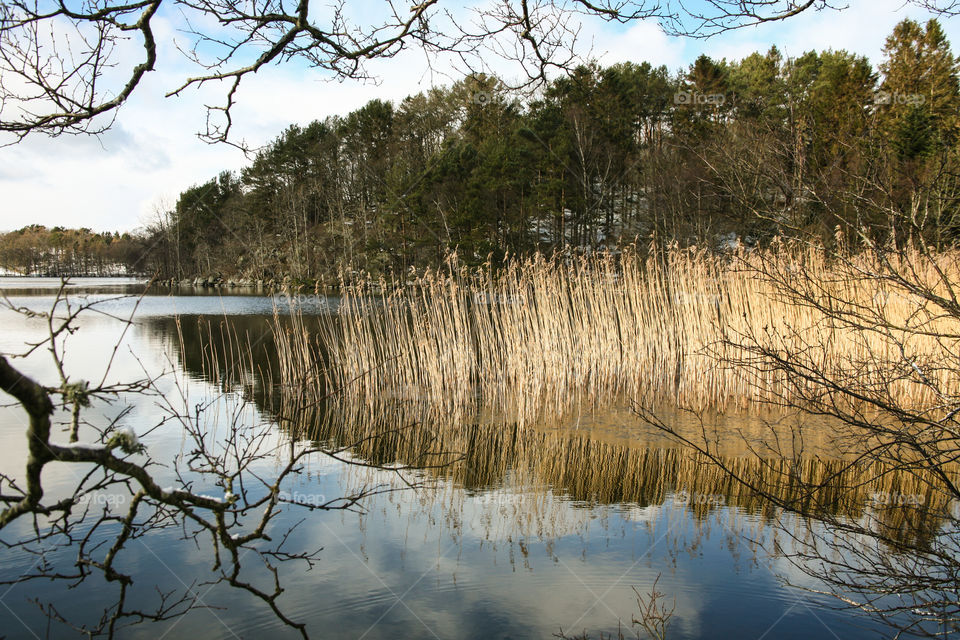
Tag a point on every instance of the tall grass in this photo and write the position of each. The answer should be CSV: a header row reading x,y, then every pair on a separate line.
x,y
542,334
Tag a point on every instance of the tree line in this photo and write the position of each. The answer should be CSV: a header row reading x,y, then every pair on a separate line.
x,y
38,250
720,152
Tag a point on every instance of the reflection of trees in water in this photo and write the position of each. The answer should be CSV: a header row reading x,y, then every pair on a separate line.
x,y
234,353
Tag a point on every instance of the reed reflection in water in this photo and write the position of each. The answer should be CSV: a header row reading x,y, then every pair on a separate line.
x,y
591,456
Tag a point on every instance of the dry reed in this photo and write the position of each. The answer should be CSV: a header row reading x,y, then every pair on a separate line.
x,y
541,335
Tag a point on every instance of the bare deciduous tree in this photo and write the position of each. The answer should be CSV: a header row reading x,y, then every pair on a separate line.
x,y
877,367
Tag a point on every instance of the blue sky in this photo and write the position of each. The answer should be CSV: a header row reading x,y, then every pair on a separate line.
x,y
152,153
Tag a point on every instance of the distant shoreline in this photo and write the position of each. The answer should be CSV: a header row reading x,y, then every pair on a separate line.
x,y
70,277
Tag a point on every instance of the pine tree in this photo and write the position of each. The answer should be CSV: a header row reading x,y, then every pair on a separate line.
x,y
920,84
917,121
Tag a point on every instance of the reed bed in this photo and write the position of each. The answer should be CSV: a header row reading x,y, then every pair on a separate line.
x,y
543,334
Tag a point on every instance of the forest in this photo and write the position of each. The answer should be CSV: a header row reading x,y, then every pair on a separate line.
x,y
723,153
42,251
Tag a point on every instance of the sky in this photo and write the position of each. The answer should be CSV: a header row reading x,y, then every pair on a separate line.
x,y
119,180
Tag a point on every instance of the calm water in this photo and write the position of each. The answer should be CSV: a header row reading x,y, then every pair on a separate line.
x,y
539,529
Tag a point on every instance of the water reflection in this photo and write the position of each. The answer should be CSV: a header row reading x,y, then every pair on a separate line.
x,y
606,456
516,532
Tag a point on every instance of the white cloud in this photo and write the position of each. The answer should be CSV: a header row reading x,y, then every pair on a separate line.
x,y
641,42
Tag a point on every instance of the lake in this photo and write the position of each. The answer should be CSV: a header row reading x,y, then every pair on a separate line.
x,y
538,529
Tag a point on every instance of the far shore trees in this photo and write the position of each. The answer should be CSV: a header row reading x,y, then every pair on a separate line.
x,y
54,252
